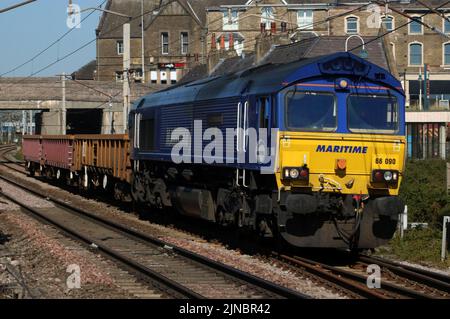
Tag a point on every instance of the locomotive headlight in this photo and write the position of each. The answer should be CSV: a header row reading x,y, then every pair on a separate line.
x,y
294,173
388,176
343,84
298,173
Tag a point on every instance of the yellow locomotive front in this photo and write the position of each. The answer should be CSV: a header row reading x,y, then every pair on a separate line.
x,y
340,164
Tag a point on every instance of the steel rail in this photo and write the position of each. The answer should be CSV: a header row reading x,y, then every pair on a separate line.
x,y
230,271
319,271
110,252
386,286
432,279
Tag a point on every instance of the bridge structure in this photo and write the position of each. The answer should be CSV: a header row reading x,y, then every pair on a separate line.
x,y
46,95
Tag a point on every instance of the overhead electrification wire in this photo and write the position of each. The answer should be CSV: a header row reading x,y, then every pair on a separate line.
x,y
50,45
401,26
87,44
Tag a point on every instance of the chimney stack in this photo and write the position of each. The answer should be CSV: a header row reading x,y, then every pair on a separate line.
x,y
222,42
263,27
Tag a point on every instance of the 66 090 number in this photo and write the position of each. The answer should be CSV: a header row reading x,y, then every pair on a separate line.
x,y
387,161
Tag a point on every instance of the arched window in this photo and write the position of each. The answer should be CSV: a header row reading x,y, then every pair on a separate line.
x,y
351,25
388,22
447,53
447,24
415,27
415,54
267,16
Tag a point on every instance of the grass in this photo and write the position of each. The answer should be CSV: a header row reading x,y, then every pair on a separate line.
x,y
421,246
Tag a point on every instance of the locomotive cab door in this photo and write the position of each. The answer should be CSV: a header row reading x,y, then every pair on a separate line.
x,y
264,107
242,124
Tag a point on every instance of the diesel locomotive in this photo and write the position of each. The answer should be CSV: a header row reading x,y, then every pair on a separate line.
x,y
316,152
312,152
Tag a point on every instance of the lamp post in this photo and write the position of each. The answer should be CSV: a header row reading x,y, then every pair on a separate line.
x,y
142,41
363,54
126,63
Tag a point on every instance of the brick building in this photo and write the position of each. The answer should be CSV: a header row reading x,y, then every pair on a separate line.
x,y
411,46
180,34
173,35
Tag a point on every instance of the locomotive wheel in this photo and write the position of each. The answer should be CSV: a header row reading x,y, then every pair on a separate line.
x,y
137,190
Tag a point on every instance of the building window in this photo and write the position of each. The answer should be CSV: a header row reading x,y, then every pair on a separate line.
x,y
230,20
184,43
351,25
415,54
447,24
415,27
163,77
119,76
173,77
119,45
267,16
165,42
447,54
388,23
305,19
154,77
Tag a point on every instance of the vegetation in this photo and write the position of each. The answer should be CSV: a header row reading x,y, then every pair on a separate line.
x,y
19,155
424,190
418,245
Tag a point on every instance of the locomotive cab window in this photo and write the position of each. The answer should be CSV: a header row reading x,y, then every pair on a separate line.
x,y
311,111
147,134
263,112
372,114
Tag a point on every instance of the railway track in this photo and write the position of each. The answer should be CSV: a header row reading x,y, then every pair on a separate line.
x,y
397,281
175,271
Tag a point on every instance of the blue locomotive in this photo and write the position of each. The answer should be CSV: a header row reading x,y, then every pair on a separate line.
x,y
311,151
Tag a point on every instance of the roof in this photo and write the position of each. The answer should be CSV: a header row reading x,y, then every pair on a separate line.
x,y
110,24
312,47
306,48
262,79
86,72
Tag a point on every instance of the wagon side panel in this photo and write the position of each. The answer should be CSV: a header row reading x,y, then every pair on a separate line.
x,y
31,148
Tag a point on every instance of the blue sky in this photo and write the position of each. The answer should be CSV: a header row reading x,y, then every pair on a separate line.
x,y
27,30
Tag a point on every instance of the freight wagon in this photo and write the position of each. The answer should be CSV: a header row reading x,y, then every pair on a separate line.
x,y
89,161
